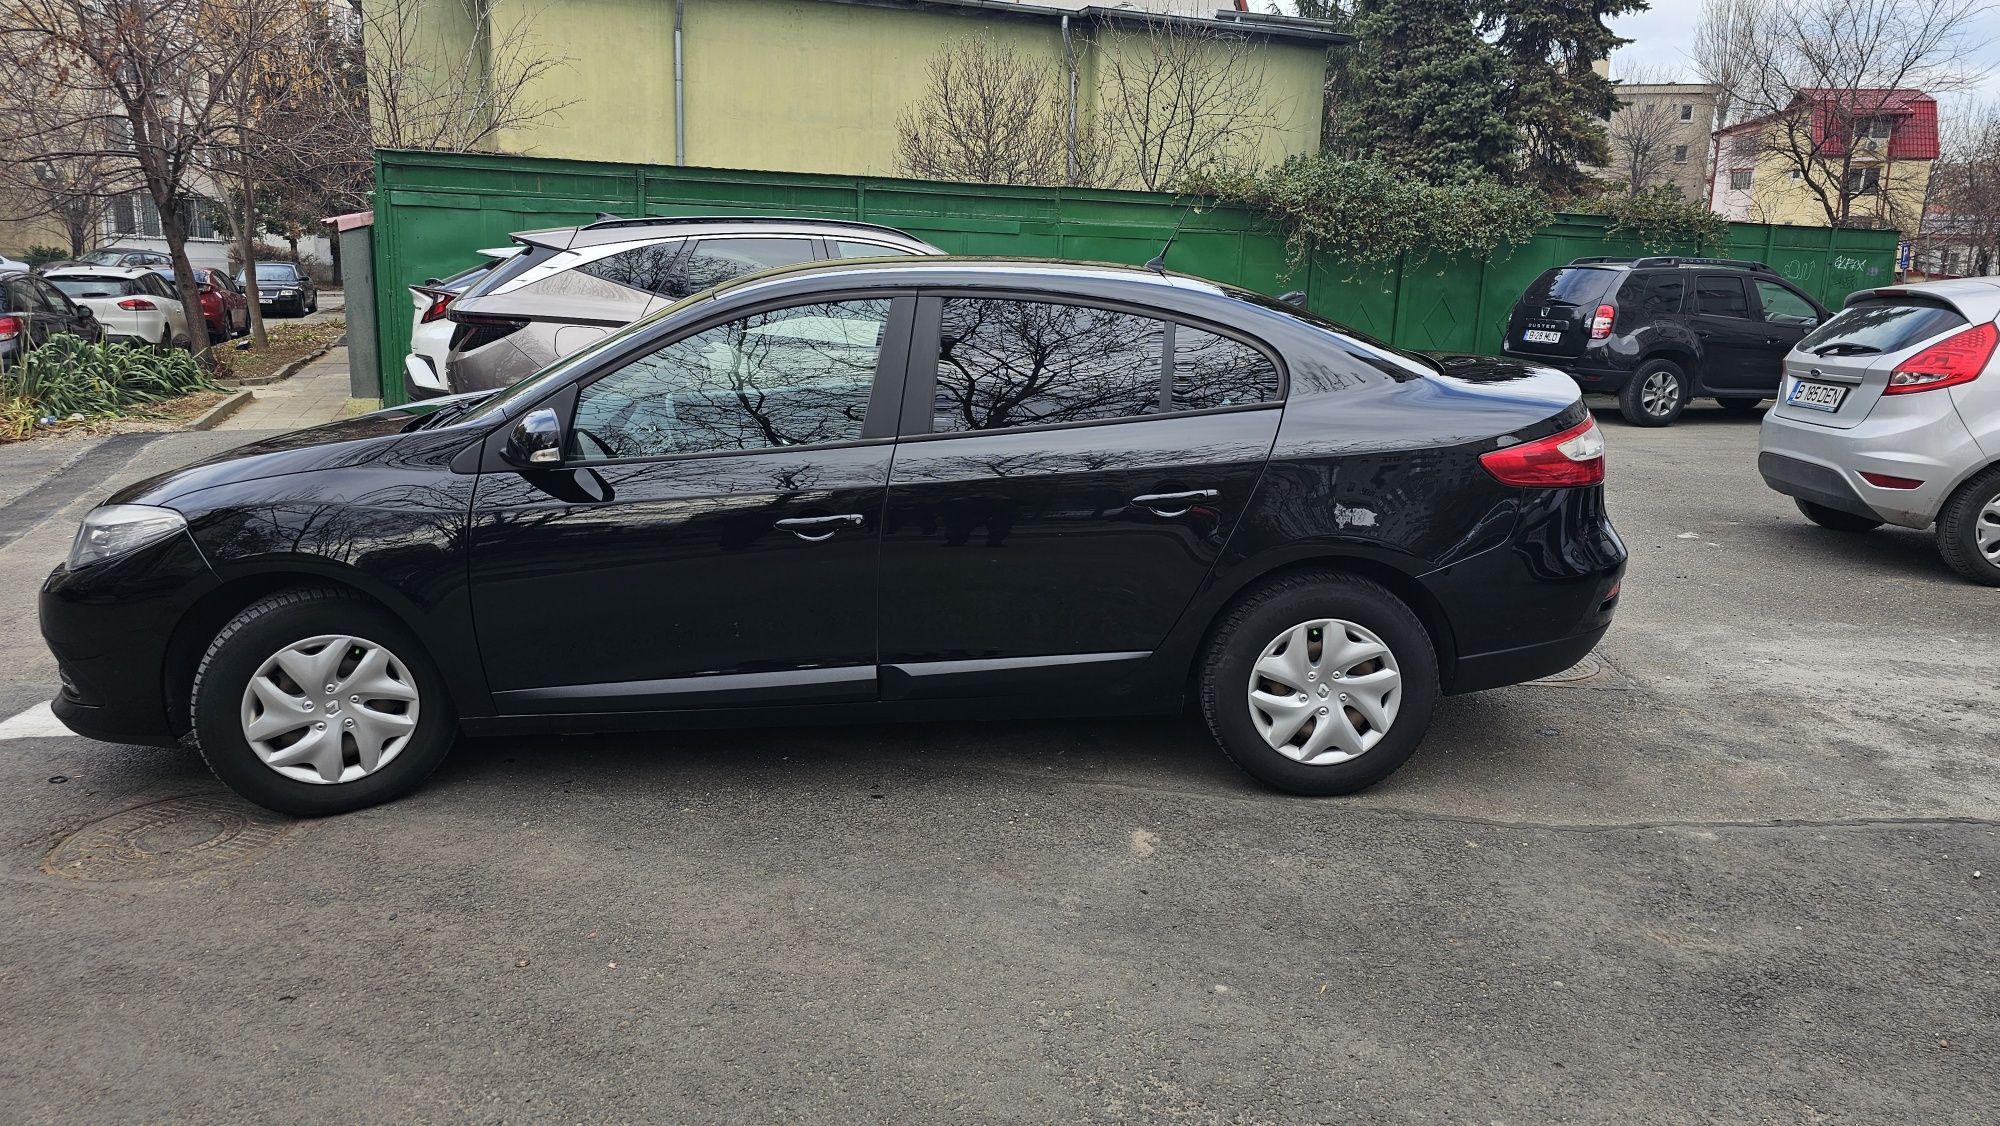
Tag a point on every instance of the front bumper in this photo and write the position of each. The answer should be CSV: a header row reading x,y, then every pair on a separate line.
x,y
1919,437
111,626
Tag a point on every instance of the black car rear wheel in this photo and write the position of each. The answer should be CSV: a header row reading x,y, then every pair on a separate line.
x,y
1834,518
1655,395
1968,529
1319,683
315,702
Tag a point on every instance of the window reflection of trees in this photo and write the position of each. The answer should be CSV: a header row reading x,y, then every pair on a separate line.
x,y
789,377
1021,363
1215,371
653,268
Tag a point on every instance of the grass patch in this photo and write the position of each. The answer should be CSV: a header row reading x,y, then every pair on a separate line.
x,y
289,341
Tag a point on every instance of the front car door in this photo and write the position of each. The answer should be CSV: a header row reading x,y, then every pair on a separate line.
x,y
1787,315
1732,337
1068,475
710,538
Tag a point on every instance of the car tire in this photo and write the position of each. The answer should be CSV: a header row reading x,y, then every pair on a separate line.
x,y
1968,529
268,639
1740,406
1290,607
1655,395
1835,519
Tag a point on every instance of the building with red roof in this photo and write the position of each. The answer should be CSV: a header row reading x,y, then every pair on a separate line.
x,y
1859,157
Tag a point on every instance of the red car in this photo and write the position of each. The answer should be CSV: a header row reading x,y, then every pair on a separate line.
x,y
223,305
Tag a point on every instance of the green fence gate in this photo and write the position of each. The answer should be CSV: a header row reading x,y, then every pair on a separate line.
x,y
434,210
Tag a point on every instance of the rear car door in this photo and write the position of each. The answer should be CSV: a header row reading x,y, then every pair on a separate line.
x,y
710,538
1068,474
1735,357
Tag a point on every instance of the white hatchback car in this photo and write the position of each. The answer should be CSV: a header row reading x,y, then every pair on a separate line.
x,y
1889,413
134,304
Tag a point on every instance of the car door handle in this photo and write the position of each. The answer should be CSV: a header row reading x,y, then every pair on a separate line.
x,y
1180,503
818,529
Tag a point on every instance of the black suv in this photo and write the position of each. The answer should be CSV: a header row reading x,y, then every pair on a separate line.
x,y
1657,332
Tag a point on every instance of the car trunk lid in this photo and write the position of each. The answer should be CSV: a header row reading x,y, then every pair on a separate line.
x,y
1839,372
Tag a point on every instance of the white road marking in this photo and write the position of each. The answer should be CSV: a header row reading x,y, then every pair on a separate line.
x,y
37,722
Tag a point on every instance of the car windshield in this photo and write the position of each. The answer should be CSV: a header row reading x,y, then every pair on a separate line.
x,y
533,385
93,287
103,257
1875,325
275,271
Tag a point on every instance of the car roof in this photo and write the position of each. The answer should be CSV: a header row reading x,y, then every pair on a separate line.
x,y
611,229
948,270
1977,298
127,272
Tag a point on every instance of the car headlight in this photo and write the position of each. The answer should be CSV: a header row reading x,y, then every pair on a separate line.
x,y
118,528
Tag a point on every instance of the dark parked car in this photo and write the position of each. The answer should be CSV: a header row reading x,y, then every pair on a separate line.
x,y
32,311
941,488
1657,332
570,285
283,288
223,305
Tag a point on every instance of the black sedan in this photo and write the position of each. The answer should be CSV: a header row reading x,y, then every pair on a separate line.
x,y
926,488
283,288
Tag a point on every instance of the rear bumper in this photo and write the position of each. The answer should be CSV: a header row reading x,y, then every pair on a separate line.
x,y
1917,437
1592,373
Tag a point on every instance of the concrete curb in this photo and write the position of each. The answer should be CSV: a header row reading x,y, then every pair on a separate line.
x,y
282,374
221,410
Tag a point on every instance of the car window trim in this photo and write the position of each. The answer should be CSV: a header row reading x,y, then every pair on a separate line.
x,y
920,388
878,425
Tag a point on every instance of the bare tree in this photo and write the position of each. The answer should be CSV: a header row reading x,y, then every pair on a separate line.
x,y
1817,75
70,173
425,96
143,81
1963,218
1180,98
1641,134
988,115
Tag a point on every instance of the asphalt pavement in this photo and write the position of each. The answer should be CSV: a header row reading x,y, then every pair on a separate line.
x,y
1739,867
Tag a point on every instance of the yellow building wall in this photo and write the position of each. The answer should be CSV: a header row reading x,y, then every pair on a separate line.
x,y
1778,198
801,86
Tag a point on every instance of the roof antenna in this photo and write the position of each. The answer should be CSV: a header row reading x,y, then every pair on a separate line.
x,y
1158,264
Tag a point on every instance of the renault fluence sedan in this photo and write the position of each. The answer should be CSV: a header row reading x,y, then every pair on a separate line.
x,y
926,488
1890,414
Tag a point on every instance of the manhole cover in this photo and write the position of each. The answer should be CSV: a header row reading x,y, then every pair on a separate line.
x,y
1581,671
175,837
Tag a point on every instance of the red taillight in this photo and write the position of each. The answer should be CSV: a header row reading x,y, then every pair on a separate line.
x,y
1885,481
1600,324
137,304
440,304
1573,457
1958,358
10,327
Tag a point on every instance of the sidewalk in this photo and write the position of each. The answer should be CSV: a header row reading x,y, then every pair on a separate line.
x,y
318,393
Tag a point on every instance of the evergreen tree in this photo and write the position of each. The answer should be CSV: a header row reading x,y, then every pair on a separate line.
x,y
1428,90
1554,97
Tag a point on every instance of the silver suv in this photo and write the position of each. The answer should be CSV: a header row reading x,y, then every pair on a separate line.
x,y
1890,414
570,286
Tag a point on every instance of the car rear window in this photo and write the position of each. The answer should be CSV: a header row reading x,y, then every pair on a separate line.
x,y
1570,285
1882,324
93,287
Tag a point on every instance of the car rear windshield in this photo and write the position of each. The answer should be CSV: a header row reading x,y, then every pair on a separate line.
x,y
93,287
1570,285
1881,324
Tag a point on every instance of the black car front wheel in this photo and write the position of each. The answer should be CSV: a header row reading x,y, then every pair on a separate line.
x,y
315,701
1655,395
1319,683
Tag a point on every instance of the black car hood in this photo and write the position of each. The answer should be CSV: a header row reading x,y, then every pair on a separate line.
x,y
349,442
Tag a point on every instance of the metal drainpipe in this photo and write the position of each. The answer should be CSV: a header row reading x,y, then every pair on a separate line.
x,y
1069,143
680,90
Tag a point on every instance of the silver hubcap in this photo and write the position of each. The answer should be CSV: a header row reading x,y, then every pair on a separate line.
x,y
1325,691
330,709
1987,530
1659,392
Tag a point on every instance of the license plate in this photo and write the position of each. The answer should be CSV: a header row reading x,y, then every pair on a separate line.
x,y
1817,396
1542,336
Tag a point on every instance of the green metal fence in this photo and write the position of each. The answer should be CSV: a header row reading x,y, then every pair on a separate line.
x,y
433,210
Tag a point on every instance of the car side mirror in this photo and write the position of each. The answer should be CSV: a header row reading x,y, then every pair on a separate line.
x,y
536,441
